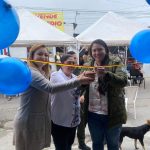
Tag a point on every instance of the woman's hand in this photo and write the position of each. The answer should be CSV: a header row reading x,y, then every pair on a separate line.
x,y
100,71
82,99
86,77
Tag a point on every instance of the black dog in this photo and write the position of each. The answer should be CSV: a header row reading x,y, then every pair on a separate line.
x,y
136,133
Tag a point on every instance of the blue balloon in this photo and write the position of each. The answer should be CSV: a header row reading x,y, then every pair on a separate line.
x,y
148,1
140,46
9,24
2,8
15,76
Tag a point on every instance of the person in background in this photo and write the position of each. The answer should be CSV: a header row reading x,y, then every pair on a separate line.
x,y
81,61
137,66
129,64
74,55
85,56
81,127
57,59
76,71
136,73
104,98
32,123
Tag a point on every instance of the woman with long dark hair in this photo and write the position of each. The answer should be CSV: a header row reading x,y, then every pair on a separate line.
x,y
104,98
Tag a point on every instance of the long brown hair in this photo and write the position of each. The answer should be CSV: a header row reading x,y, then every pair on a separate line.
x,y
100,42
32,50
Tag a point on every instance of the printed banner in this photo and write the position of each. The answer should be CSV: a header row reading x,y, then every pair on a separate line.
x,y
54,18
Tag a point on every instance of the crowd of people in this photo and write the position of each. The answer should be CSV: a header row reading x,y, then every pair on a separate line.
x,y
64,102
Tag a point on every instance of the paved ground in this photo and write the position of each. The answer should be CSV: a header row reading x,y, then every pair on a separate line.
x,y
8,110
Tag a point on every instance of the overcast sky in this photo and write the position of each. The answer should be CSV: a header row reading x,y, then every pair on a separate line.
x,y
137,10
82,4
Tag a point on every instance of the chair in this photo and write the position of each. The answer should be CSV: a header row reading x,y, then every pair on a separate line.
x,y
129,82
131,96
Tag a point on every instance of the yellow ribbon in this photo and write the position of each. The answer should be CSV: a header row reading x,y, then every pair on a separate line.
x,y
76,66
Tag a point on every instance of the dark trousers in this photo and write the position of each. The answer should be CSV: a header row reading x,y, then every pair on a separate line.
x,y
98,127
63,137
81,127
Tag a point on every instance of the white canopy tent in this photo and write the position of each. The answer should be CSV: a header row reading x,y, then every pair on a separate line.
x,y
115,30
34,30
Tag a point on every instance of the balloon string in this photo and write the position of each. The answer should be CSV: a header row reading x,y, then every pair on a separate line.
x,y
76,66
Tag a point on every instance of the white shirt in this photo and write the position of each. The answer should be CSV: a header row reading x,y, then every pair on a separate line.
x,y
65,106
98,103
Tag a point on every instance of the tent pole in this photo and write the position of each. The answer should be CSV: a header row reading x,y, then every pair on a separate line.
x,y
8,51
78,50
126,55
